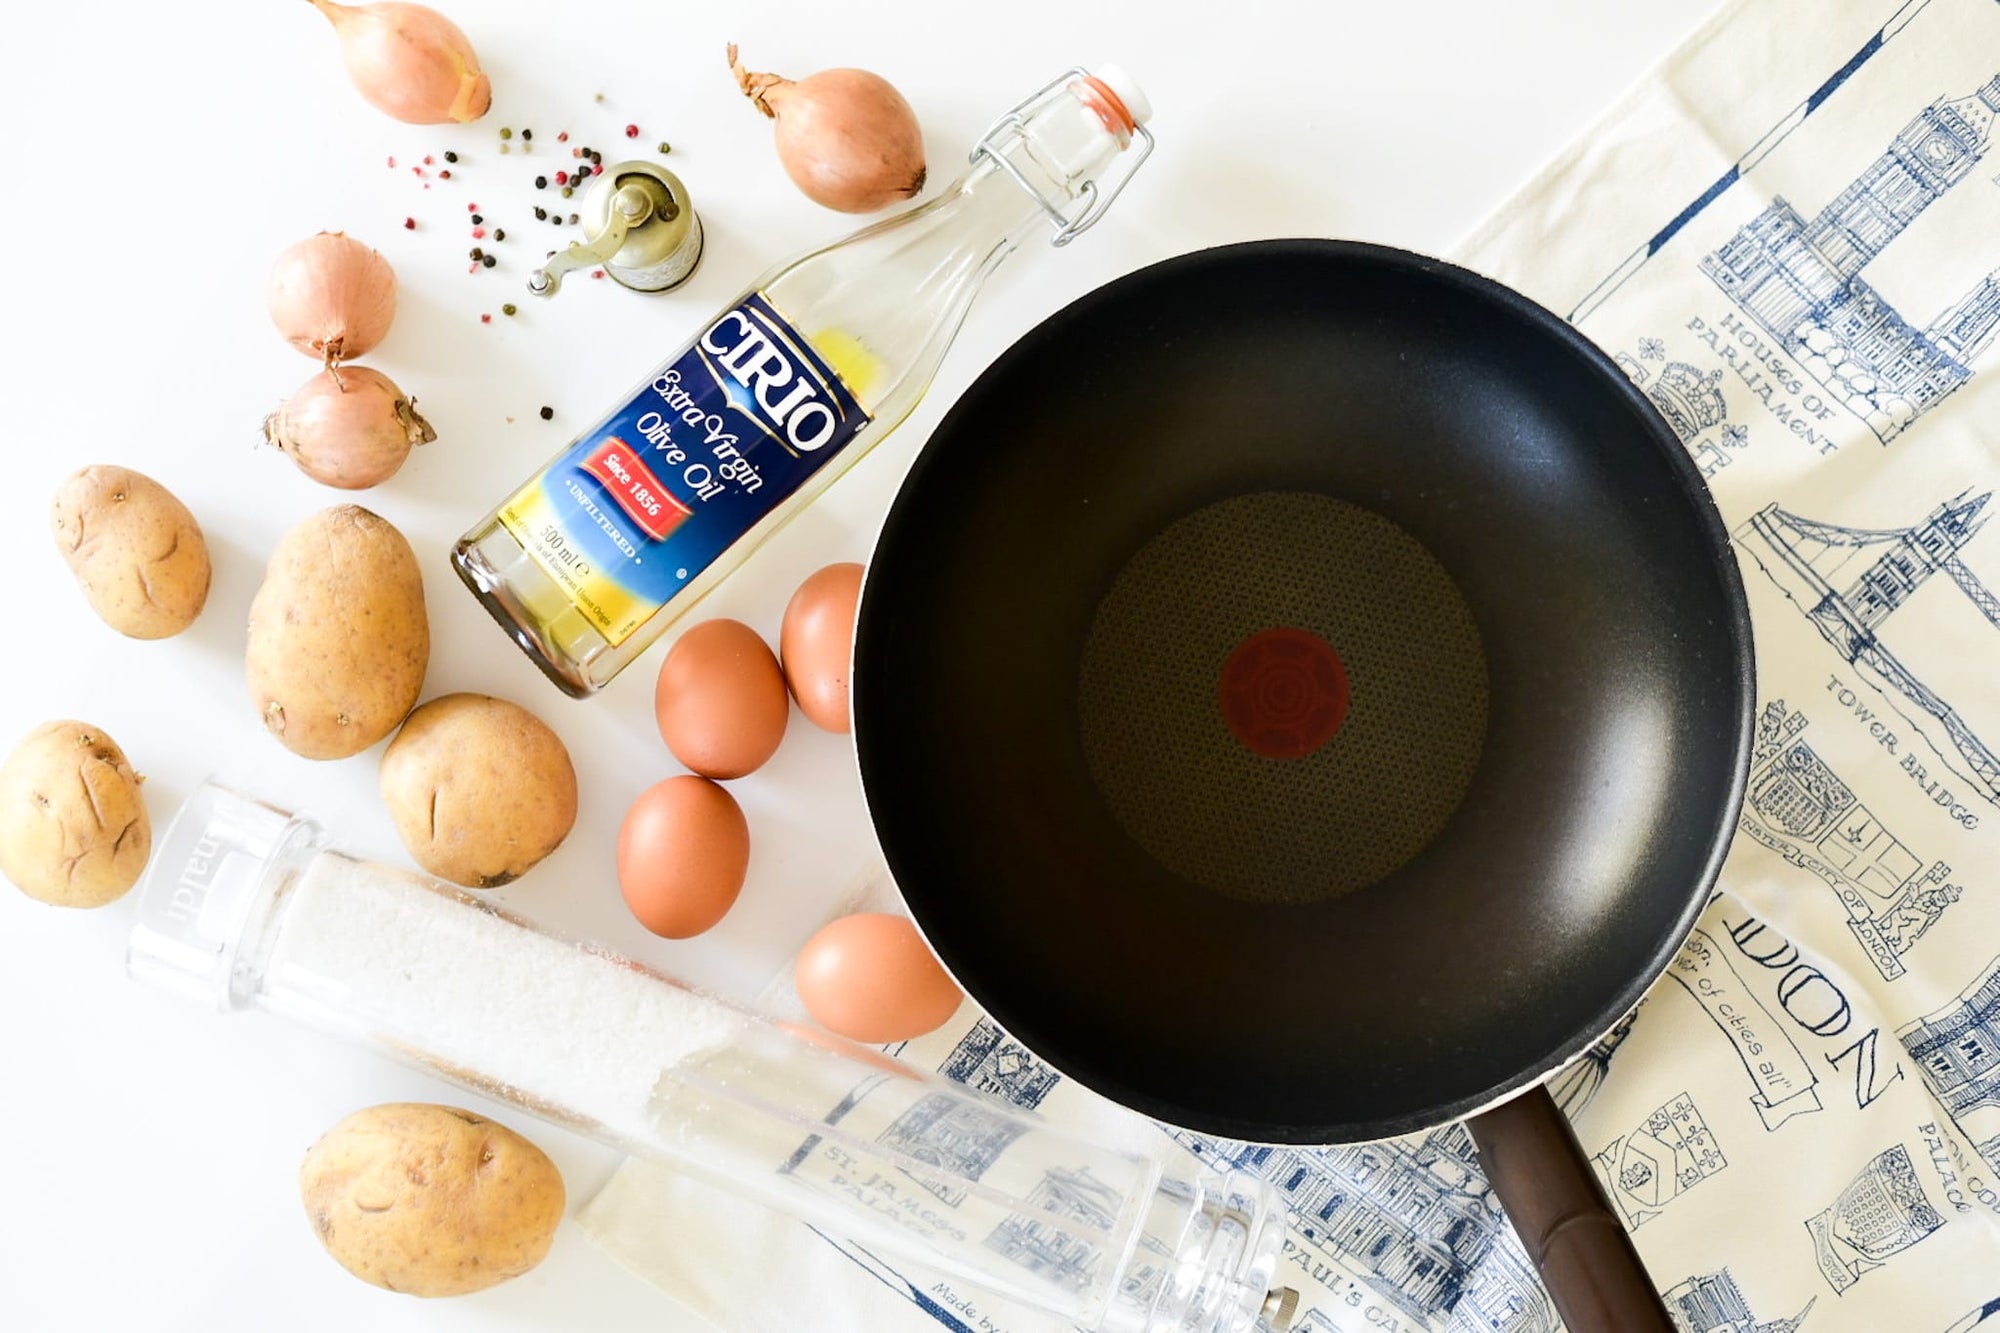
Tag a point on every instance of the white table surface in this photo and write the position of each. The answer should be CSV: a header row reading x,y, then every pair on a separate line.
x,y
160,155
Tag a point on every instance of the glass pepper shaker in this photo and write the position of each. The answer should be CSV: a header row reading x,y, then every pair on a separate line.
x,y
247,906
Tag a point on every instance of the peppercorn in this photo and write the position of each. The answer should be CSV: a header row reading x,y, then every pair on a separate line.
x,y
507,309
450,156
489,261
479,233
563,137
572,219
541,182
476,219
486,319
409,224
567,192
548,414
562,178
595,156
665,148
444,173
477,253
499,235
527,134
631,131
541,215
506,133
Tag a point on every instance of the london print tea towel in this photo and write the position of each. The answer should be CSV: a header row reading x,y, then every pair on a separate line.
x,y
1789,237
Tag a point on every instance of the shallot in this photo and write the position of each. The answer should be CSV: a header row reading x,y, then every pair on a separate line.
x,y
846,137
410,62
332,296
349,427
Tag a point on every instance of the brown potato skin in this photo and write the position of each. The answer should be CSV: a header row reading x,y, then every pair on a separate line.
x,y
339,641
430,1200
73,825
135,550
480,789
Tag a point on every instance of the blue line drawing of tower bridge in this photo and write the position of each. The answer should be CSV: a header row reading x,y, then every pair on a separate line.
x,y
1814,563
1800,279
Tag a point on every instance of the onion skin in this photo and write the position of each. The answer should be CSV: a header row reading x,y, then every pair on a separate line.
x,y
332,297
410,62
350,428
846,137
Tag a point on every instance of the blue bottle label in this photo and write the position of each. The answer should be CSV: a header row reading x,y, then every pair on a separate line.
x,y
642,503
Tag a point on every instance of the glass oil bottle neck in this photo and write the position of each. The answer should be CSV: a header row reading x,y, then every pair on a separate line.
x,y
1052,151
901,286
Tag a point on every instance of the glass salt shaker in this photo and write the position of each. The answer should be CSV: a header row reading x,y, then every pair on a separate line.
x,y
247,906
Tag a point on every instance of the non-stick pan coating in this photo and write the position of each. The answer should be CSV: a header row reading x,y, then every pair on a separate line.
x,y
1611,636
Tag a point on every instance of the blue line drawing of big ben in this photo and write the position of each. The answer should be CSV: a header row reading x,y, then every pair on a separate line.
x,y
1850,581
1800,278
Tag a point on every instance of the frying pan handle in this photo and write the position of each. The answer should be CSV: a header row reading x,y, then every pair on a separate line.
x,y
1543,1180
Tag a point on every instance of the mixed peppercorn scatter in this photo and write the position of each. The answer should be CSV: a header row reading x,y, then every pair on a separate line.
x,y
484,222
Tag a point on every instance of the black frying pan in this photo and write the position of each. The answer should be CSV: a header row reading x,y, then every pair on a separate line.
x,y
1303,691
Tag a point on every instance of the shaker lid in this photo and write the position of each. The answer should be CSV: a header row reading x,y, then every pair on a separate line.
x,y
219,861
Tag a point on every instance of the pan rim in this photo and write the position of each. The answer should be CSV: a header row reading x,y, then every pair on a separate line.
x,y
1733,610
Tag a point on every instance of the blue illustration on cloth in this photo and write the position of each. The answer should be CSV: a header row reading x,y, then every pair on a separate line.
x,y
1882,1212
1978,1318
1712,1303
1777,134
988,1059
1848,582
1801,809
1957,1050
1800,279
1414,1216
1692,403
1669,1153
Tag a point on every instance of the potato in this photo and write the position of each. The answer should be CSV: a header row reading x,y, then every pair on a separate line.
x,y
73,826
338,638
136,551
480,789
431,1200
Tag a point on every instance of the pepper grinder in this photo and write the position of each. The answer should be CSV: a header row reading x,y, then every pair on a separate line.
x,y
639,224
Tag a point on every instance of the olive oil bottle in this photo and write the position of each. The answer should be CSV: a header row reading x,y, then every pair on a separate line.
x,y
590,561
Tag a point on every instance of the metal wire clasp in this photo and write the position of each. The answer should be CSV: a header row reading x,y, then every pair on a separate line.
x,y
1093,202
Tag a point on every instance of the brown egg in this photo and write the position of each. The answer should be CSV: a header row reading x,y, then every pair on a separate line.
x,y
720,701
871,977
682,854
816,643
